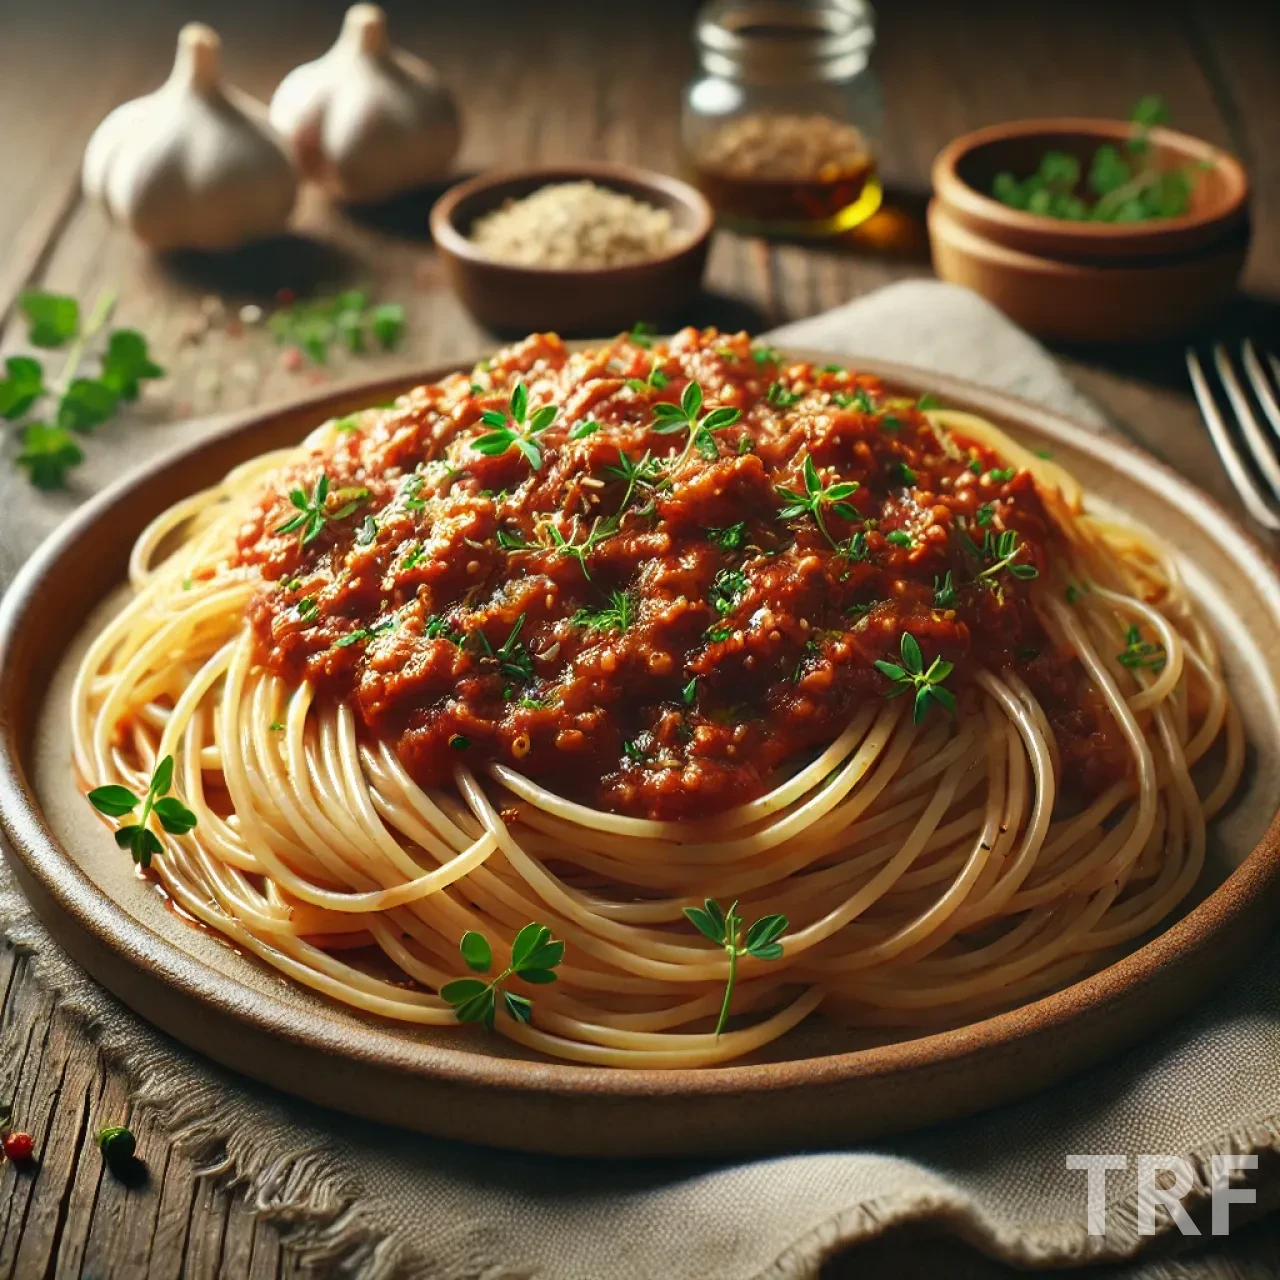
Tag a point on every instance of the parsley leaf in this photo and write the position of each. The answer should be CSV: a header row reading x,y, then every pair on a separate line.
x,y
126,363
53,318
48,453
22,388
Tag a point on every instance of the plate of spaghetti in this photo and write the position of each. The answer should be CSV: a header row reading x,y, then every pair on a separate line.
x,y
593,732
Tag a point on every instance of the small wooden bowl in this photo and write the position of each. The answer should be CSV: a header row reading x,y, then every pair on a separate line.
x,y
1088,281
512,297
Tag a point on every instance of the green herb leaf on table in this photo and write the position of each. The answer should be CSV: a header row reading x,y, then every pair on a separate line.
x,y
126,363
85,404
48,453
23,386
763,941
53,318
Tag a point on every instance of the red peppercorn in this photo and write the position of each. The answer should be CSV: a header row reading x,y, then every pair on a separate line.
x,y
18,1147
284,296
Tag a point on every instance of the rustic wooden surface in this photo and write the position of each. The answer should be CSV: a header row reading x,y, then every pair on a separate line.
x,y
543,82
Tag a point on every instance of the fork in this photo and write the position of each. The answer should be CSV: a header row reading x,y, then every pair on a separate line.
x,y
1263,504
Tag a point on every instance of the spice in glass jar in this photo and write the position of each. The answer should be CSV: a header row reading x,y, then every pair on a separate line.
x,y
779,127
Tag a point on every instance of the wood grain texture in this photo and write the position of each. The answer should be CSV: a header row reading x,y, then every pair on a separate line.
x,y
546,82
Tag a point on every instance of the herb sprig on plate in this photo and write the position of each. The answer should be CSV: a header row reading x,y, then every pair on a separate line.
x,y
910,675
763,940
535,955
115,801
516,427
688,416
816,497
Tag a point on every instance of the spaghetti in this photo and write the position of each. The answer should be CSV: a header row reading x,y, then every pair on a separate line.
x,y
587,638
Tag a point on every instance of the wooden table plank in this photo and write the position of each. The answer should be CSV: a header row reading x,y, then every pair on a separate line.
x,y
585,81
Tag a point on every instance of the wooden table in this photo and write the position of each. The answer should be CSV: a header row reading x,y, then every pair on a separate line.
x,y
546,81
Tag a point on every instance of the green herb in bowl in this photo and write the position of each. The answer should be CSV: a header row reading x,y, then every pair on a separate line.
x,y
1121,185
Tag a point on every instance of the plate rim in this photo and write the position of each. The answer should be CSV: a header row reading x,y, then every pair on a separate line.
x,y
40,859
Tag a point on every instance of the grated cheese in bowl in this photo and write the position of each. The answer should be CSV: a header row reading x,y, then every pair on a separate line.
x,y
574,224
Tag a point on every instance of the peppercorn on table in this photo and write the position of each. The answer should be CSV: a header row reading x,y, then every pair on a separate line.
x,y
536,84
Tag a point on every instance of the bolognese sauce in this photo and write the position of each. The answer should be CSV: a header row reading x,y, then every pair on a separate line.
x,y
651,574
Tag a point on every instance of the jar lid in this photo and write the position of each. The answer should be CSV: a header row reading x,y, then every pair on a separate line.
x,y
785,41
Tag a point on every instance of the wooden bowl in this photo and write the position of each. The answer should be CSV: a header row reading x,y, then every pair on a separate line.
x,y
510,297
821,1084
1088,281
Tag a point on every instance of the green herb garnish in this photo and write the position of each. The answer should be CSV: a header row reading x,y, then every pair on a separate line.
x,y
1002,551
688,415
313,512
618,615
174,817
911,675
763,940
944,592
899,538
689,694
780,397
642,334
535,954
516,427
731,538
727,589
984,514
514,661
858,399
1138,652
817,496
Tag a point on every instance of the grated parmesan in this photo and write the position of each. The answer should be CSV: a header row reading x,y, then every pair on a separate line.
x,y
574,224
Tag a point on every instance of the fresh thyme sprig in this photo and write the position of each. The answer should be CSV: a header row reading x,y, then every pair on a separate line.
x,y
516,427
579,551
688,416
535,955
618,615
115,801
515,663
314,513
731,538
1002,552
1138,652
656,380
727,589
643,474
910,674
763,941
815,497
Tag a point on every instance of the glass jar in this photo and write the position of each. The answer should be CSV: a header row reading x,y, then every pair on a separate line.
x,y
781,127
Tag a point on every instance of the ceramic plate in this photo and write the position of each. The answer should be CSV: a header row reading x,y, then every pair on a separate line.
x,y
818,1086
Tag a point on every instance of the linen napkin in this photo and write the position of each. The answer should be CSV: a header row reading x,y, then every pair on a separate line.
x,y
380,1203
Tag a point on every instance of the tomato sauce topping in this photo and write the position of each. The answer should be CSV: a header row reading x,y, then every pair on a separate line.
x,y
651,575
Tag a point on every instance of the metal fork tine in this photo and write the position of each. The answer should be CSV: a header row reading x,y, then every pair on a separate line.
x,y
1261,387
1250,427
1237,469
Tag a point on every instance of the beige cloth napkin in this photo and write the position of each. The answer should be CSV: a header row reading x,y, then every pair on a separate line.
x,y
378,1202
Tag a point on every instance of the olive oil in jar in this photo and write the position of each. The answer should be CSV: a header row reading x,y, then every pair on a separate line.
x,y
779,129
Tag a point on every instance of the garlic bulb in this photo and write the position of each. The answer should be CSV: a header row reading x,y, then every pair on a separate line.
x,y
366,120
194,165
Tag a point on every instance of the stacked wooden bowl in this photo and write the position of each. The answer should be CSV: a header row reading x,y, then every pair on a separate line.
x,y
1088,281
